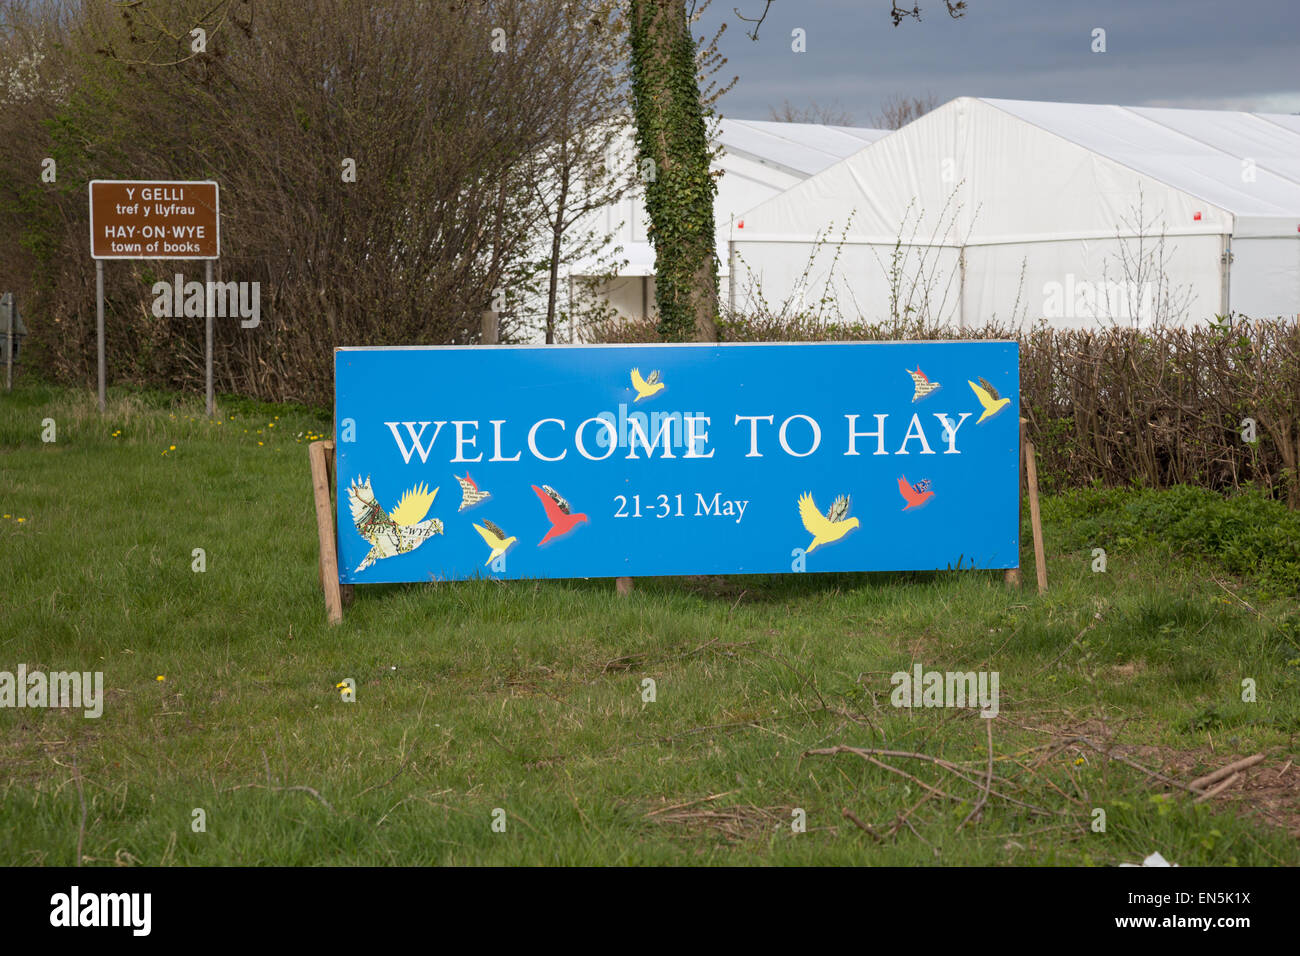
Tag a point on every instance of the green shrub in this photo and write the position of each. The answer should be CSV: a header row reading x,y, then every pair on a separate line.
x,y
1248,533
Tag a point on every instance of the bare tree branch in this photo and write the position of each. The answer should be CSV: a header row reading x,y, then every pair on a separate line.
x,y
757,21
956,10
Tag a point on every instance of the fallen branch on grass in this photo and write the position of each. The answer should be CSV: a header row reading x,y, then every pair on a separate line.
x,y
735,822
988,782
1195,787
1155,775
866,828
872,755
902,817
1200,783
691,803
1211,794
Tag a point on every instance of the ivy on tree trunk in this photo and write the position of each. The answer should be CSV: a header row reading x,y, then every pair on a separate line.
x,y
672,134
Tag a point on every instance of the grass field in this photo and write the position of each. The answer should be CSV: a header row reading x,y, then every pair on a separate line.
x,y
528,697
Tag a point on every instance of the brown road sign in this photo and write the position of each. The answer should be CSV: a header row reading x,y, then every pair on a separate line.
x,y
154,220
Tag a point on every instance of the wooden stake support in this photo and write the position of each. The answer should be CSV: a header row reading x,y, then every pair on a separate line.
x,y
321,455
1035,519
623,585
1012,576
1029,480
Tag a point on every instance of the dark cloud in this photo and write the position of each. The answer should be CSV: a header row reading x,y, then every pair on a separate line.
x,y
1194,53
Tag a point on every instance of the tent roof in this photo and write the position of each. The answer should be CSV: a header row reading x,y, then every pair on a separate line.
x,y
801,148
761,159
983,171
1205,153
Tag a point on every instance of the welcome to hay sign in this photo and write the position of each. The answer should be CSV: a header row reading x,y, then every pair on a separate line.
x,y
610,461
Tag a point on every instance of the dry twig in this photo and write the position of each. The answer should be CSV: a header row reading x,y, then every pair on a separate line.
x,y
988,781
1200,783
1211,794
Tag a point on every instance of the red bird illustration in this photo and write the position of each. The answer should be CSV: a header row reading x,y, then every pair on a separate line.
x,y
915,495
557,512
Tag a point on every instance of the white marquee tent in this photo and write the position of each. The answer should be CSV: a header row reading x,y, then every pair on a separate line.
x,y
759,160
1015,210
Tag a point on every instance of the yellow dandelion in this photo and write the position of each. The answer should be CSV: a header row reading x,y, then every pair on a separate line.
x,y
21,520
171,447
259,443
160,677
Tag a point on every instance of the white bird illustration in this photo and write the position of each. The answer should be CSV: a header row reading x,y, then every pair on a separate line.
x,y
397,533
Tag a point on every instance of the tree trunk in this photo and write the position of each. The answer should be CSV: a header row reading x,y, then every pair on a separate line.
x,y
672,134
494,271
557,235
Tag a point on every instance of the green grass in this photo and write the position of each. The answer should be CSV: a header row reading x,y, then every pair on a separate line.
x,y
528,696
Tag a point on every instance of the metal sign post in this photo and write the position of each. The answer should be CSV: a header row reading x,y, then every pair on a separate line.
x,y
9,309
208,309
131,219
99,325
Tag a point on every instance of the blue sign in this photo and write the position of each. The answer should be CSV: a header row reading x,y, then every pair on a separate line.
x,y
621,460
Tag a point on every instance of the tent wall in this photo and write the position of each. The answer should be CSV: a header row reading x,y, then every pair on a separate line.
x,y
1266,277
630,296
861,280
1071,283
1087,283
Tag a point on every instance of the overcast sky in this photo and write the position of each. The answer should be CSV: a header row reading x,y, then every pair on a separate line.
x,y
1211,54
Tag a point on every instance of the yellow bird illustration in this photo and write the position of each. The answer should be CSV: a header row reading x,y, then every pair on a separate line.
x,y
825,528
397,533
988,396
495,538
645,387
